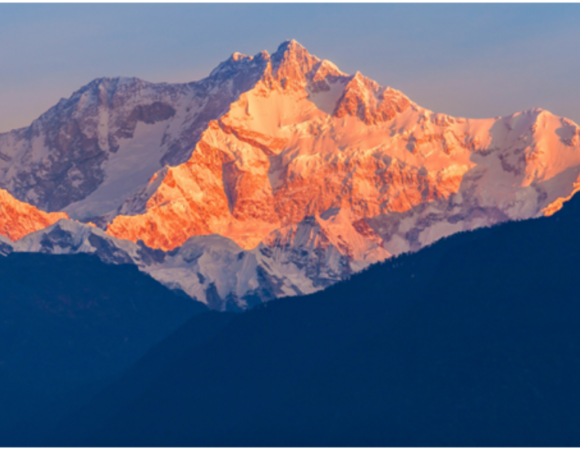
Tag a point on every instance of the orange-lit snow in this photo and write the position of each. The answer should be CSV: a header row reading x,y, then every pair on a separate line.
x,y
308,138
17,219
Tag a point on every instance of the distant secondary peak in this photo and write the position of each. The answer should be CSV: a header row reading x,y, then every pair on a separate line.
x,y
263,55
239,56
371,103
235,63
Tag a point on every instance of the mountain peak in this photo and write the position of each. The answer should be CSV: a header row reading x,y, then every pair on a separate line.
x,y
291,62
236,56
267,141
291,50
290,44
236,63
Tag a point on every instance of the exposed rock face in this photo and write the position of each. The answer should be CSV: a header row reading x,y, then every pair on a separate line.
x,y
90,152
277,175
6,246
307,138
17,219
371,103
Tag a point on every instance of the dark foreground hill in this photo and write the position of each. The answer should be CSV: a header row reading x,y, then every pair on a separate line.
x,y
473,341
67,320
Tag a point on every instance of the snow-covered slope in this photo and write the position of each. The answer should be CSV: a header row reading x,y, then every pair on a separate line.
x,y
69,237
297,259
90,152
213,269
17,219
279,173
307,138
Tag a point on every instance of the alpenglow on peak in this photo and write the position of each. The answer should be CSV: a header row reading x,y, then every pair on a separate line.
x,y
307,174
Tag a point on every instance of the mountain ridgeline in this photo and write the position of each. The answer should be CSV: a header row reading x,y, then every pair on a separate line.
x,y
424,267
277,175
472,341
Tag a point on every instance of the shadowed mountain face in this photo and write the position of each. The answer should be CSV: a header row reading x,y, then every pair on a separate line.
x,y
471,342
71,319
36,428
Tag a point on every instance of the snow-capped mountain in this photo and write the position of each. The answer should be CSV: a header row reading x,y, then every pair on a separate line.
x,y
92,151
298,260
70,237
276,175
307,139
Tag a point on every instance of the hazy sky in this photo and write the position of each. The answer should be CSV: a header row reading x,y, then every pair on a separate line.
x,y
472,60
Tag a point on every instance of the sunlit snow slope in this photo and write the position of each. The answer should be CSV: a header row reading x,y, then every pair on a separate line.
x,y
17,219
307,139
312,173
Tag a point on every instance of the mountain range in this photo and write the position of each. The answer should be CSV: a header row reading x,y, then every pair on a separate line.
x,y
277,175
424,267
472,341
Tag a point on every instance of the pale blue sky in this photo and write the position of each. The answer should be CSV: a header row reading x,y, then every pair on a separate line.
x,y
473,60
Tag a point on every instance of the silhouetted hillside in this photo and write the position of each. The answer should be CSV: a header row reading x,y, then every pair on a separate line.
x,y
472,341
68,320
122,391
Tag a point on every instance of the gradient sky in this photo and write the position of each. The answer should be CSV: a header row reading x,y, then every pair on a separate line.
x,y
471,60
